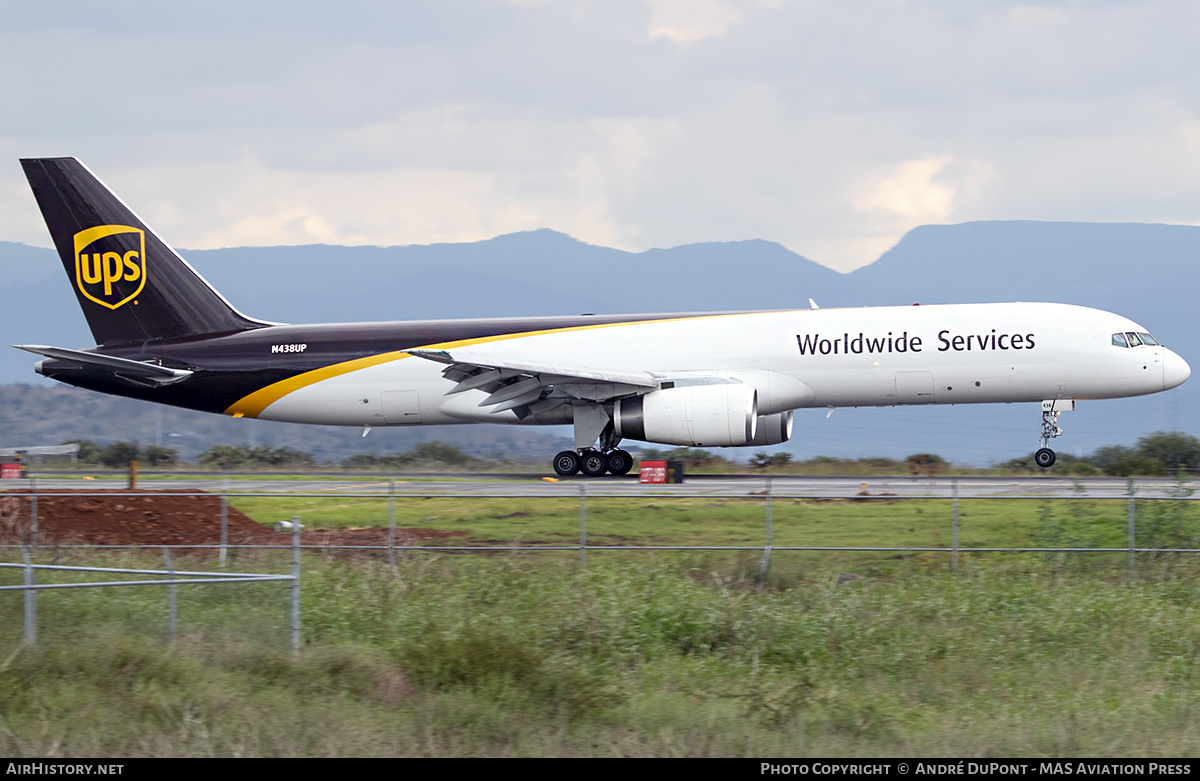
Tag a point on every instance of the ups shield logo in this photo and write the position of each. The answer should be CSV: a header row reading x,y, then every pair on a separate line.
x,y
110,264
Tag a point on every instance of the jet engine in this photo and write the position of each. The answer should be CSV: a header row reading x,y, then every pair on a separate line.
x,y
773,429
720,415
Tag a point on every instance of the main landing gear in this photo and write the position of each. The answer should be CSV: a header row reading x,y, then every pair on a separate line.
x,y
1051,408
593,426
592,462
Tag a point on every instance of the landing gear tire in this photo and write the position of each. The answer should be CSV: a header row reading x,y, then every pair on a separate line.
x,y
1044,458
566,463
593,463
620,462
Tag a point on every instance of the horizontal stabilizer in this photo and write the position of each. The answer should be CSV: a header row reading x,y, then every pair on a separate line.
x,y
135,371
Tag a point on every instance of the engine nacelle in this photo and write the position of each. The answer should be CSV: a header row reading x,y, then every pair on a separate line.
x,y
773,429
724,415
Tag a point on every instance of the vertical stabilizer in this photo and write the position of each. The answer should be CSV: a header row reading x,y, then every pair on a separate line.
x,y
131,285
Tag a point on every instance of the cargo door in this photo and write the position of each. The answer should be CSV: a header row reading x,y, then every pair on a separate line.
x,y
914,387
400,407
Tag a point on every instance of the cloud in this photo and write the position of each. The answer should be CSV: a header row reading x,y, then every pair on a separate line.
x,y
926,190
910,191
687,21
830,127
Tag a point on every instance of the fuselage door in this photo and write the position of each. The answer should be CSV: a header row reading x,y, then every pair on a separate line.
x,y
401,406
914,387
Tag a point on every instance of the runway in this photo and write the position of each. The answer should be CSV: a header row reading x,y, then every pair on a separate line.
x,y
532,485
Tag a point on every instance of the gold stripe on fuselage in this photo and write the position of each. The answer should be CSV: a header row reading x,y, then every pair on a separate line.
x,y
252,405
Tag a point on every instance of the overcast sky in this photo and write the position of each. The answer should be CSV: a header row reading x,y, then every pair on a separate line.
x,y
831,127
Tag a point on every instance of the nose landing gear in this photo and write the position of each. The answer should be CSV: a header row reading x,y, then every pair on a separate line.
x,y
1051,408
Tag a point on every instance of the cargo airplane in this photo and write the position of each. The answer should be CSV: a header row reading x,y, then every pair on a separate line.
x,y
725,379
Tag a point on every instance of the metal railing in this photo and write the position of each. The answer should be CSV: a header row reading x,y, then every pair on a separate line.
x,y
170,577
174,578
767,496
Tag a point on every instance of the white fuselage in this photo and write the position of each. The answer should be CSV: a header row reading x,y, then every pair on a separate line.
x,y
877,356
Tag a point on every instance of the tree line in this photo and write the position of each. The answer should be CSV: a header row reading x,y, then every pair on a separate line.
x,y
229,457
1159,454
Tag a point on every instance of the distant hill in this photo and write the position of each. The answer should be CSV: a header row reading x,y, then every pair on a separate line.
x,y
1146,272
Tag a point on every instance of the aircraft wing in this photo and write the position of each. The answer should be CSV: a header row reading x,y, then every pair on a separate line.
x,y
529,387
133,371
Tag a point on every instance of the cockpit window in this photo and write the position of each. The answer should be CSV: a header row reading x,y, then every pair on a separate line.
x,y
1130,339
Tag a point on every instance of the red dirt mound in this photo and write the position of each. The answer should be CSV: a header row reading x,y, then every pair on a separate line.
x,y
181,517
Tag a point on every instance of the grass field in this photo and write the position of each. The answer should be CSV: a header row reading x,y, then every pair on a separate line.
x,y
707,521
637,653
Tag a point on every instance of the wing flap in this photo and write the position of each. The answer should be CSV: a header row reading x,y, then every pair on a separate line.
x,y
545,370
531,387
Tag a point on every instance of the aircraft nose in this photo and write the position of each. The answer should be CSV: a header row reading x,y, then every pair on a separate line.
x,y
1175,371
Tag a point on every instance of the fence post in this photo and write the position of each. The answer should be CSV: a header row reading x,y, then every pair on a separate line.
x,y
954,525
392,523
295,585
1132,524
170,591
224,522
30,599
582,523
33,512
766,560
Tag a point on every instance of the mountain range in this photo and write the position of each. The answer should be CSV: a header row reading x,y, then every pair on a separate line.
x,y
1145,272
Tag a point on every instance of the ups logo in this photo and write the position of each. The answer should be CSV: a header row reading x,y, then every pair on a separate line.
x,y
110,264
